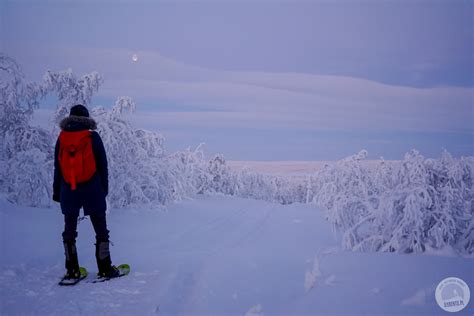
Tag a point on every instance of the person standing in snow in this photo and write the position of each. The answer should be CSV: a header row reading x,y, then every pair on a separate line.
x,y
81,181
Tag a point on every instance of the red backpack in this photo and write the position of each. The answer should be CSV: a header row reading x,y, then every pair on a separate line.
x,y
76,157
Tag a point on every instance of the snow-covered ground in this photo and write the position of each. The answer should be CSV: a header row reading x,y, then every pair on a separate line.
x,y
291,169
215,255
296,170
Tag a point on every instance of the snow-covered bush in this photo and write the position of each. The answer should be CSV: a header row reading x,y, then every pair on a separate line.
x,y
130,178
188,173
70,90
247,184
18,99
407,206
452,217
140,171
28,176
221,178
23,148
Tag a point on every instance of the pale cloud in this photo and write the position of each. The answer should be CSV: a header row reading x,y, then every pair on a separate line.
x,y
307,101
318,100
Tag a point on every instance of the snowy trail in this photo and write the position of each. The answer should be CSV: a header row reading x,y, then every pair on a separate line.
x,y
214,256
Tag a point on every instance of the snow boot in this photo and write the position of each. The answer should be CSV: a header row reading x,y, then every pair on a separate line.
x,y
72,262
104,263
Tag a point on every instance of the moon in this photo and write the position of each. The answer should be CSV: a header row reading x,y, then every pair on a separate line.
x,y
134,58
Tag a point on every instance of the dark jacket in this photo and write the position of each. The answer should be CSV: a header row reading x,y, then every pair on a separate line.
x,y
91,194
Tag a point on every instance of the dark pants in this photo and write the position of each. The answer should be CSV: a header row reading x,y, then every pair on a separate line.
x,y
98,221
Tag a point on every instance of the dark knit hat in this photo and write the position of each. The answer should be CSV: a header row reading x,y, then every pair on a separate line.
x,y
79,110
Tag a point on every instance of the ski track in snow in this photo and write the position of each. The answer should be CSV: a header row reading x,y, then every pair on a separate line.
x,y
214,255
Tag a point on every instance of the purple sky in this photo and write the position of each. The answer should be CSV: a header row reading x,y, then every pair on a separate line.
x,y
268,79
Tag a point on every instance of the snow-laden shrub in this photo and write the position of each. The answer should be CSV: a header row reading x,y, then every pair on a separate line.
x,y
407,206
24,138
247,184
188,173
27,151
29,177
140,171
18,99
130,179
70,90
346,190
221,178
452,217
23,148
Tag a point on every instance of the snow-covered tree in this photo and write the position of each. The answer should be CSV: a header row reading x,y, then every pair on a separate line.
x,y
452,212
130,179
22,147
29,178
407,206
71,90
18,99
140,170
221,178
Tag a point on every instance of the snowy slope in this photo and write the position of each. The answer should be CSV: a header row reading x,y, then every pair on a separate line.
x,y
215,255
